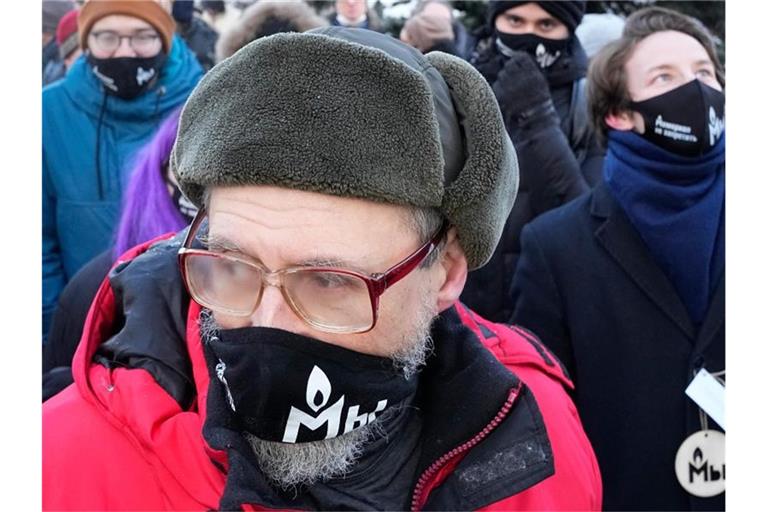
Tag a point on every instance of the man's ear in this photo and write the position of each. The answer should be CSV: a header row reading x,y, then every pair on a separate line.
x,y
621,121
453,272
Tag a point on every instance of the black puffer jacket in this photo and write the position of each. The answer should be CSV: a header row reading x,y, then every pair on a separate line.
x,y
541,121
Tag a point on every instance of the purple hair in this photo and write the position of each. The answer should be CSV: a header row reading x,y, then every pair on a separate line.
x,y
148,210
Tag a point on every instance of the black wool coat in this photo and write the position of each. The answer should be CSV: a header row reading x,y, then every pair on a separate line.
x,y
588,287
552,142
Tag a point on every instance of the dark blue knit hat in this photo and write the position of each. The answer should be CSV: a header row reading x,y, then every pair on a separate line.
x,y
568,12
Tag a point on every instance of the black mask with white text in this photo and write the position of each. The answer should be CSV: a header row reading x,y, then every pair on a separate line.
x,y
544,50
687,120
127,77
289,388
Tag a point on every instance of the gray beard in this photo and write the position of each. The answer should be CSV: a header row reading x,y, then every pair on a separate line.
x,y
290,465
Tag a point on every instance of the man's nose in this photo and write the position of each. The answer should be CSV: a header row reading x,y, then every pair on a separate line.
x,y
124,49
273,311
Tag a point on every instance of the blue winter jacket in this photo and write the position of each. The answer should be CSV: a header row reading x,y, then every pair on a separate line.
x,y
81,200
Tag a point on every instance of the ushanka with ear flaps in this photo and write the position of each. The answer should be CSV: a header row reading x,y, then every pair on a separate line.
x,y
354,113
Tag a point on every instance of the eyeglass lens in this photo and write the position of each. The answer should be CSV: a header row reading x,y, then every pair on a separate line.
x,y
143,42
329,300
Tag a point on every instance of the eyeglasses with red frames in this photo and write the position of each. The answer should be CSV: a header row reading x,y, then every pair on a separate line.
x,y
330,299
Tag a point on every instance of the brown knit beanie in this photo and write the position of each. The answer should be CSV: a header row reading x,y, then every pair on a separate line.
x,y
150,11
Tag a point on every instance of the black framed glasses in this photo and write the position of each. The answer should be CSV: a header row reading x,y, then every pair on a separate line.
x,y
330,299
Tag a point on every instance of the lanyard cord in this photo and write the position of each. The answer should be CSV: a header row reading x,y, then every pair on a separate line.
x,y
98,146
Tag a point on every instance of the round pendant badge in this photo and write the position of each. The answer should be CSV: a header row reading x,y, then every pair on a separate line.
x,y
700,463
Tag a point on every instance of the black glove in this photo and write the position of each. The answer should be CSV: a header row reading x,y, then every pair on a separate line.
x,y
489,63
520,85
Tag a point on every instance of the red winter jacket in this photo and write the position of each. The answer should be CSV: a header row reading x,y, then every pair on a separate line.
x,y
116,439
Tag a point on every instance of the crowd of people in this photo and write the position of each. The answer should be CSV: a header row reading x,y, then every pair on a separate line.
x,y
497,257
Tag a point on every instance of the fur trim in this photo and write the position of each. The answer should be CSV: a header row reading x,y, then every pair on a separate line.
x,y
325,114
478,202
250,24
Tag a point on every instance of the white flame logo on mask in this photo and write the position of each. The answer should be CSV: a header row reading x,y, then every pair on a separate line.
x,y
318,384
317,396
716,126
544,58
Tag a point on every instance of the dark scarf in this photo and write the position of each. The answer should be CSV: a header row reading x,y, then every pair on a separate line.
x,y
676,204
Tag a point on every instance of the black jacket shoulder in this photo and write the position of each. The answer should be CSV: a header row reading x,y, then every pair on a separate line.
x,y
550,176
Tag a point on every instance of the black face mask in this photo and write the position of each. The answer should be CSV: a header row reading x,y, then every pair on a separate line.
x,y
687,120
184,206
127,77
289,388
545,51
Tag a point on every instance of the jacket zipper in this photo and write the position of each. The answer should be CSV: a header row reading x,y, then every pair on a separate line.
x,y
439,463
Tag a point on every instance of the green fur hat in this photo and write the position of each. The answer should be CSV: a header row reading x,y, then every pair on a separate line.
x,y
354,113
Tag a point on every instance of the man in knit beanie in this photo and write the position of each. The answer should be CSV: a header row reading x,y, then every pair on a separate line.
x,y
536,67
300,345
133,72
126,70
